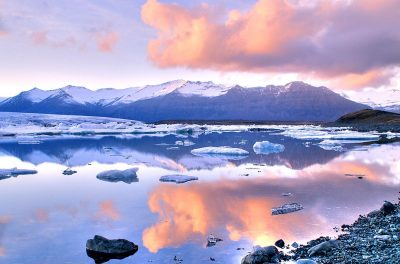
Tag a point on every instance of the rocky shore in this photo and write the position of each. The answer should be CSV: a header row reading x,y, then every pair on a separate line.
x,y
374,238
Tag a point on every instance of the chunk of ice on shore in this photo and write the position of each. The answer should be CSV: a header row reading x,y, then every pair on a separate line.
x,y
266,147
223,152
127,176
177,178
286,208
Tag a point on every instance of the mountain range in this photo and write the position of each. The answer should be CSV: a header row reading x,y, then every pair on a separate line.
x,y
187,100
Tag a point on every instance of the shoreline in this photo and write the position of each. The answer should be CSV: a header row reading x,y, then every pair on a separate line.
x,y
372,238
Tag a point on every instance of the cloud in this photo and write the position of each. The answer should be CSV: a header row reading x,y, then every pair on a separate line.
x,y
330,39
106,42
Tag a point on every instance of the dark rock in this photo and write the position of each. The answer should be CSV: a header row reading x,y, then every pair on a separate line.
x,y
280,243
262,255
322,248
102,249
387,208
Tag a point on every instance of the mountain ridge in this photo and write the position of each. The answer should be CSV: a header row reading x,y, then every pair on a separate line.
x,y
188,100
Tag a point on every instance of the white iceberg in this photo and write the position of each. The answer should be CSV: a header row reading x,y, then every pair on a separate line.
x,y
127,176
266,147
14,172
178,178
223,152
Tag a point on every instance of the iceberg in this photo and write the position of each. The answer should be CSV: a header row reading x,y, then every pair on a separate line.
x,y
127,176
286,208
223,152
266,147
178,178
14,172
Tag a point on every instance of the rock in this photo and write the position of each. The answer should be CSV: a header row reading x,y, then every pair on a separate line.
x,y
280,243
127,176
295,245
286,208
322,248
102,249
387,208
382,237
262,255
305,261
177,178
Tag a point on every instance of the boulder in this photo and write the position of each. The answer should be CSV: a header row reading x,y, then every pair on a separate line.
x,y
262,255
280,243
388,208
323,248
102,249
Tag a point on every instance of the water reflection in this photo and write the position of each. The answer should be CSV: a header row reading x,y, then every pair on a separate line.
x,y
44,214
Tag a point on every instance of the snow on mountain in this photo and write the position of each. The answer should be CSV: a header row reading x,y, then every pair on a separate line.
x,y
382,99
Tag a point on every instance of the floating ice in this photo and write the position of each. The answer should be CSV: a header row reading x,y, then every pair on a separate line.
x,y
178,178
286,208
266,147
14,172
223,152
127,176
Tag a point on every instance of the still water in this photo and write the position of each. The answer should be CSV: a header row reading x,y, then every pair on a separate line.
x,y
47,217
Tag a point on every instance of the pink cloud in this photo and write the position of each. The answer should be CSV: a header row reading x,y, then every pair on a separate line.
x,y
107,42
357,40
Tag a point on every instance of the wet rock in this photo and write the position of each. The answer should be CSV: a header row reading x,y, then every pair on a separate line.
x,y
280,243
305,261
387,208
102,249
295,245
322,248
127,176
286,209
262,255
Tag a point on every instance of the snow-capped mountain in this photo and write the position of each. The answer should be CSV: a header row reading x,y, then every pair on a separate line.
x,y
186,100
379,99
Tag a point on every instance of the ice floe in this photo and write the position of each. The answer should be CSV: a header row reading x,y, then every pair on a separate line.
x,y
127,176
178,178
14,172
266,147
223,152
286,208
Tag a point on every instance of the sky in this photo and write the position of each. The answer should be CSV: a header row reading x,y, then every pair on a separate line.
x,y
350,46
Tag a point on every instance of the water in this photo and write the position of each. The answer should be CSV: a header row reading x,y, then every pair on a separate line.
x,y
47,217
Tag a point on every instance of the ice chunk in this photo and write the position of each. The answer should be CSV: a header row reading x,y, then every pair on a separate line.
x,y
178,178
223,152
69,171
14,172
127,176
286,209
266,147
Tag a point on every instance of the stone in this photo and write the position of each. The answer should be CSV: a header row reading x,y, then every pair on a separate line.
x,y
305,261
387,208
262,255
102,249
322,248
280,243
